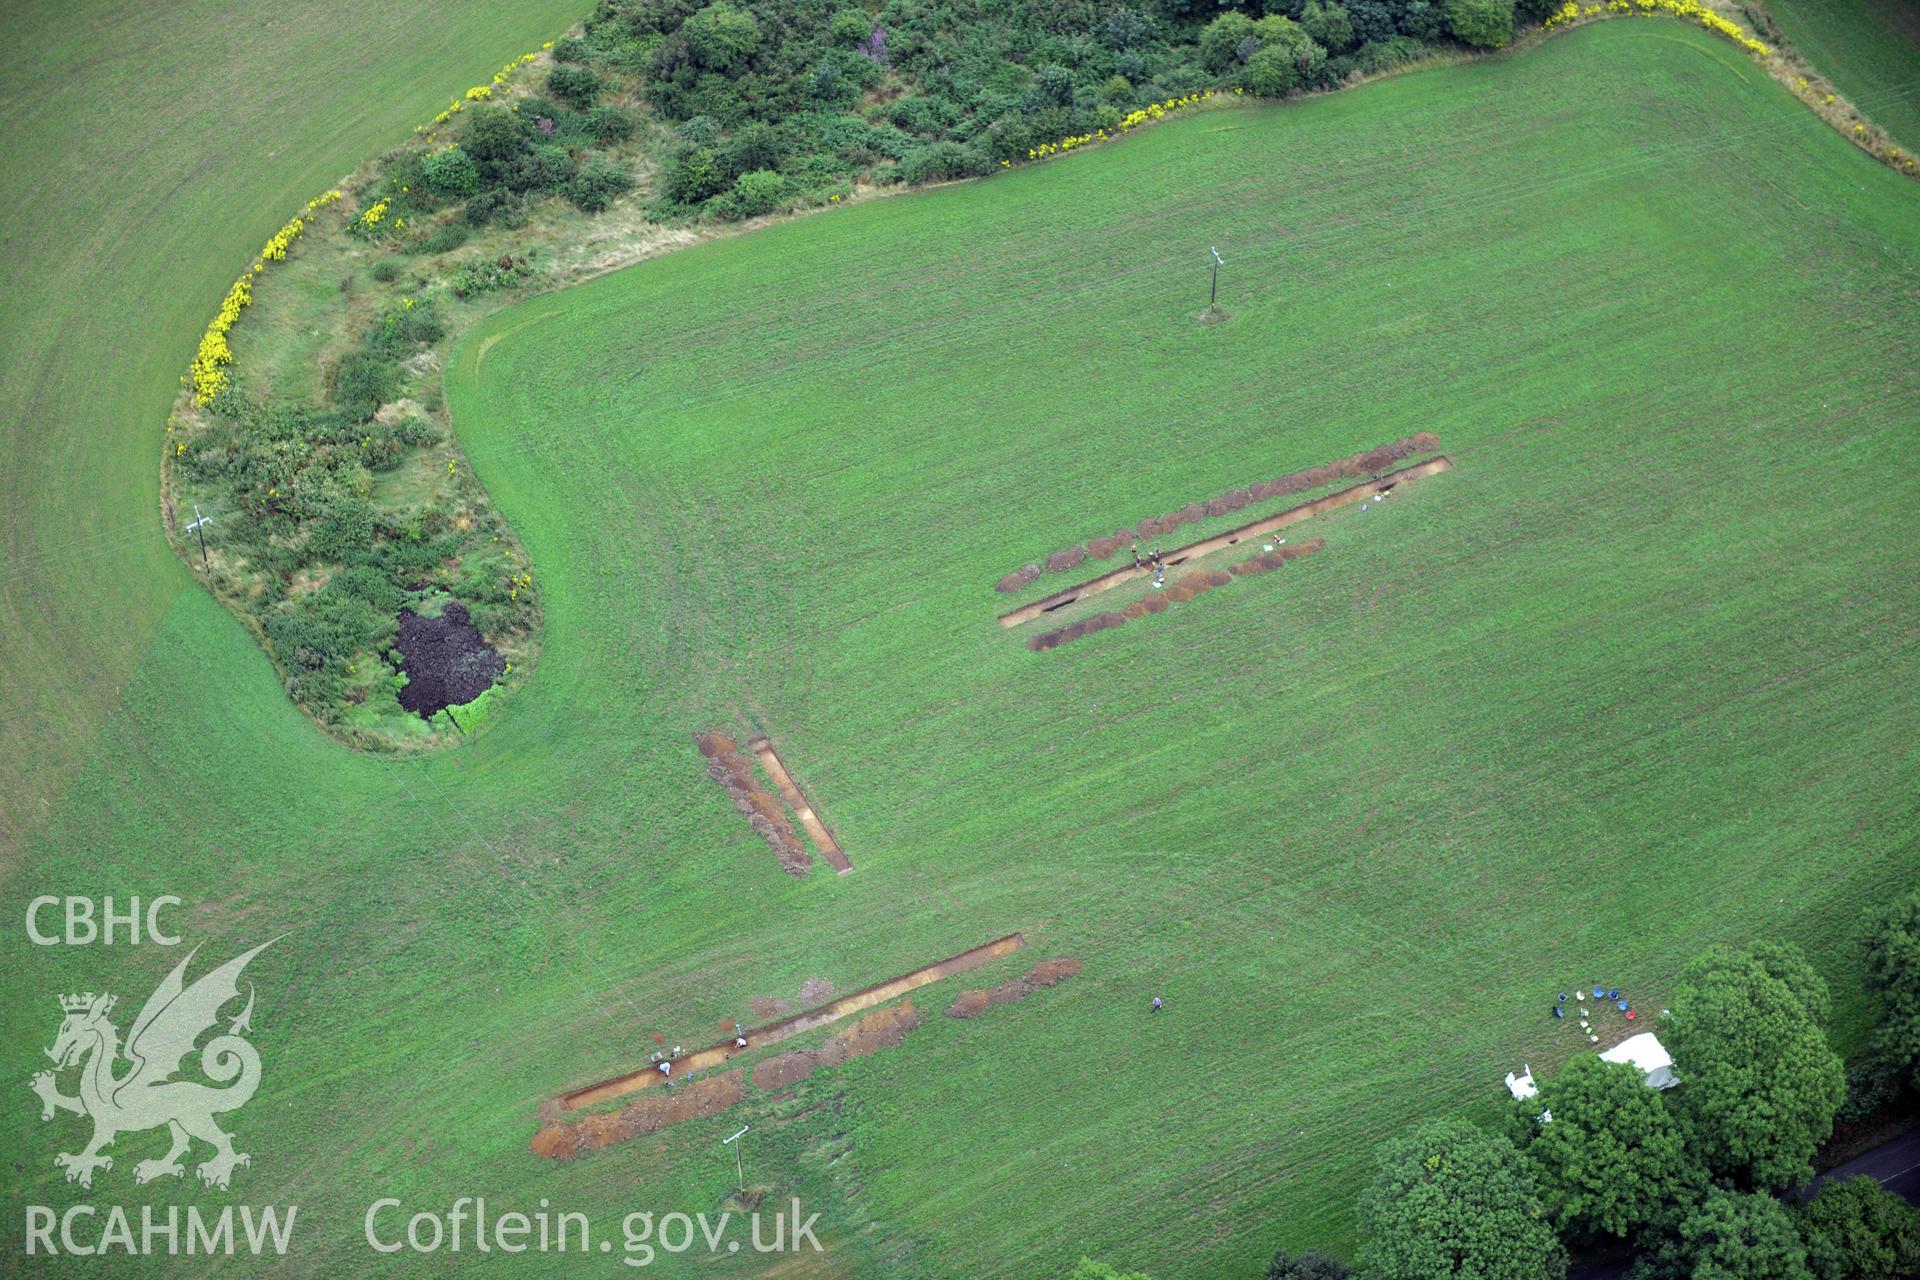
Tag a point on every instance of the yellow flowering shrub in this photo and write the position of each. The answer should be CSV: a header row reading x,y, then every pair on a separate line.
x,y
370,218
1132,120
1685,9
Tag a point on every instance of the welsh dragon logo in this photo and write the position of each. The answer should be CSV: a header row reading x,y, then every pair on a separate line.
x,y
145,1095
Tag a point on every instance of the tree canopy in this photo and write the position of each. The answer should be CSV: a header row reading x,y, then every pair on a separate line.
x,y
1613,1160
1731,1236
1893,970
1858,1230
1453,1200
1759,1082
1311,1265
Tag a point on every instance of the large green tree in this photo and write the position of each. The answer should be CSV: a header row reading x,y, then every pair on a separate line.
x,y
1759,1082
1453,1200
1858,1230
1612,1160
1893,969
1731,1236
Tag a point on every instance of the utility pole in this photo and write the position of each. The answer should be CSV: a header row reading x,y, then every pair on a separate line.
x,y
1214,296
738,1168
199,529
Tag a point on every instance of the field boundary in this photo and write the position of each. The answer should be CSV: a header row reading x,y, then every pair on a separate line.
x,y
796,1024
762,748
1220,541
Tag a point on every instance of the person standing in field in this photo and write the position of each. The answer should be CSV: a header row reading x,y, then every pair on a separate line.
x,y
1156,1004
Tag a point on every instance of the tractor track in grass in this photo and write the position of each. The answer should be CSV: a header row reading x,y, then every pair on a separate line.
x,y
1219,542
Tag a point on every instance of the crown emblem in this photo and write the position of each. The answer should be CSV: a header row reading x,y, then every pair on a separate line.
x,y
81,1003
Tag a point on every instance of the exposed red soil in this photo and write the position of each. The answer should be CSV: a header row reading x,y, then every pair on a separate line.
x,y
1278,556
1221,541
564,1140
971,1004
1183,589
733,773
796,800
783,1069
649,1077
1019,579
1369,463
968,1004
1056,970
881,1029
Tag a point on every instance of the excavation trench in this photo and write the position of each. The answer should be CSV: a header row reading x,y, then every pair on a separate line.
x,y
1206,546
797,801
774,1032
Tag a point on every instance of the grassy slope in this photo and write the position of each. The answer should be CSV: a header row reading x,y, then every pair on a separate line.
x,y
154,148
1869,48
1635,676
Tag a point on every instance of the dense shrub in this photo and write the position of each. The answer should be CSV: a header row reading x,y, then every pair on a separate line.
x,y
608,125
849,27
598,183
404,329
442,239
1227,41
1279,68
487,275
386,271
693,175
504,207
1328,24
1487,24
450,172
942,161
758,192
575,86
721,37
362,382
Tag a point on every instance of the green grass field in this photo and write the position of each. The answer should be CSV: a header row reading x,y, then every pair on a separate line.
x,y
1636,676
1869,48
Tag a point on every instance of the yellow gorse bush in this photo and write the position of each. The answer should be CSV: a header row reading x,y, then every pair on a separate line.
x,y
1686,9
207,374
483,92
371,217
1132,120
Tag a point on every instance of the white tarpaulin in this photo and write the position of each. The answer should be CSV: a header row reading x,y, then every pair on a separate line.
x,y
1647,1053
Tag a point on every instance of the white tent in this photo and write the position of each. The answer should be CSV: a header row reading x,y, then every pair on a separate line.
x,y
1522,1086
1647,1053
